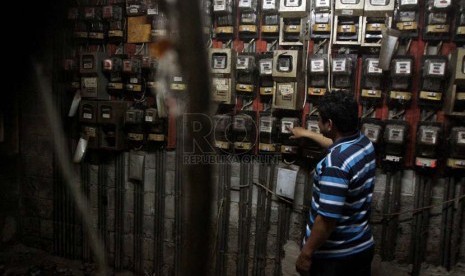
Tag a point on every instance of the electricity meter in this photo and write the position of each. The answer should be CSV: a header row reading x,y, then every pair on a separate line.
x,y
112,12
222,7
246,74
434,81
270,6
224,27
288,80
310,149
222,131
113,68
286,63
400,81
244,131
371,29
440,4
427,144
408,4
269,134
373,130
350,7
288,146
96,31
222,75
437,20
456,148
395,140
178,83
293,8
455,96
459,30
80,33
270,27
110,118
88,120
132,68
265,67
372,82
116,31
322,5
291,31
342,70
317,76
347,30
133,123
248,5
93,81
136,7
248,25
154,126
378,8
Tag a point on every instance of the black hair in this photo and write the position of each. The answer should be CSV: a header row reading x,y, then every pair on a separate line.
x,y
342,109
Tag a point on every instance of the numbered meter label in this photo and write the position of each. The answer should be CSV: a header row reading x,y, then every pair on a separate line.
x,y
266,66
90,82
373,66
317,65
396,135
441,4
461,137
239,124
408,2
245,4
87,116
269,5
266,126
242,63
221,84
339,65
292,3
428,136
321,4
437,68
220,5
313,126
403,67
286,126
349,2
219,62
286,89
372,133
379,2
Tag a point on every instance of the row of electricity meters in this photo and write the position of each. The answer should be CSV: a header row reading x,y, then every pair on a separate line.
x,y
390,137
281,75
114,125
239,133
120,75
350,22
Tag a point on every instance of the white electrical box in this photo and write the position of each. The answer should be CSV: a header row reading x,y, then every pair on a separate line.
x,y
285,184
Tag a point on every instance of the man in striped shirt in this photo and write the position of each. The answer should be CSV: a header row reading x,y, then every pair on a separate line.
x,y
338,239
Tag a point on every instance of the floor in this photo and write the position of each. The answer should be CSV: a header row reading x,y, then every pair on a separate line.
x,y
18,260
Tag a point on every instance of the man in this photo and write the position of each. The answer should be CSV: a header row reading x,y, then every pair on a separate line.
x,y
338,239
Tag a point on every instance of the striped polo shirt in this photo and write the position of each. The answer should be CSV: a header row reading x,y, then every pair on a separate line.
x,y
343,190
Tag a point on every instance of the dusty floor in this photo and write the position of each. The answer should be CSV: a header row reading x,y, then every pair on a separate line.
x,y
22,260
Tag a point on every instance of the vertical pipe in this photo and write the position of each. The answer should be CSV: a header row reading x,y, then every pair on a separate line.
x,y
178,200
414,245
156,218
269,198
259,219
443,241
386,205
449,222
85,181
395,208
458,219
242,197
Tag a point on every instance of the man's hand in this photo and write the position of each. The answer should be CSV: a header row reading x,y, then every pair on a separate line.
x,y
303,263
297,132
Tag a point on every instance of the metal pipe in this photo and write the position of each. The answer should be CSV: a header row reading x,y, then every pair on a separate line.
x,y
395,208
259,219
443,241
449,222
458,219
416,225
386,206
269,199
178,204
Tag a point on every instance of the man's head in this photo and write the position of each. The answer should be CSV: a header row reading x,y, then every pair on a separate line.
x,y
338,114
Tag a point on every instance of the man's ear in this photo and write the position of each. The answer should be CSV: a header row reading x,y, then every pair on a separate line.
x,y
330,124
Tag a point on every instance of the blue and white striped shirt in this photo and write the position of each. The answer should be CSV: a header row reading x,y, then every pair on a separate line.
x,y
343,190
